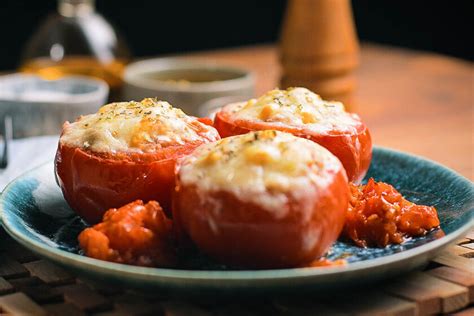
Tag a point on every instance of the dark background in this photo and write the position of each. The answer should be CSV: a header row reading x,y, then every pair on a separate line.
x,y
157,27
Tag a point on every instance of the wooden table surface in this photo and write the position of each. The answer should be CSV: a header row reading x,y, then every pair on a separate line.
x,y
412,101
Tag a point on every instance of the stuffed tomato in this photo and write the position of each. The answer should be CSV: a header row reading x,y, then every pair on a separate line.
x,y
265,199
302,113
124,152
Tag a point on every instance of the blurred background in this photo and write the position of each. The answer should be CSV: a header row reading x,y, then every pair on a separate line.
x,y
418,75
162,27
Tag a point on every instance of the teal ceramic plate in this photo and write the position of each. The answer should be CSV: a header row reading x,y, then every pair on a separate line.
x,y
35,213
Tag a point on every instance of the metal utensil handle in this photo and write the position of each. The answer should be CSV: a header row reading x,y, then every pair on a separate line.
x,y
7,131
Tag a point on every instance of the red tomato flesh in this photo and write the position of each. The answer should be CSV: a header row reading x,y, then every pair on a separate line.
x,y
378,215
136,234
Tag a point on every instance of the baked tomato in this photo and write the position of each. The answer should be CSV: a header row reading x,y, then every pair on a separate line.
x,y
264,199
126,151
304,114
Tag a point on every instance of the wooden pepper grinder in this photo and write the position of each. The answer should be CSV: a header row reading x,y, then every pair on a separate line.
x,y
319,48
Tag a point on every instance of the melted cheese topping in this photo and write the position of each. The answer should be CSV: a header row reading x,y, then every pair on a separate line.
x,y
135,126
297,107
264,167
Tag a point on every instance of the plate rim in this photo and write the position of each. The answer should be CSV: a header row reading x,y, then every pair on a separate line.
x,y
94,265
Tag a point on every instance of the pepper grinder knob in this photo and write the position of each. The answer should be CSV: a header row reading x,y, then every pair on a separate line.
x,y
319,48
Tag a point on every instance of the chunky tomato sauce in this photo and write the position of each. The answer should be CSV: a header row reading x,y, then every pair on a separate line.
x,y
378,215
136,233
141,234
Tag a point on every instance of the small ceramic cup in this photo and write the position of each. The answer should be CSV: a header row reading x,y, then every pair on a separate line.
x,y
186,84
40,107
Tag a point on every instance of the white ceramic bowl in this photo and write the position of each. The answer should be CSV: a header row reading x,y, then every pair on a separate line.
x,y
185,83
40,107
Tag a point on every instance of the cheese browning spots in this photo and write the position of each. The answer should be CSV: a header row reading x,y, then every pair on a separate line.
x,y
263,162
135,126
295,107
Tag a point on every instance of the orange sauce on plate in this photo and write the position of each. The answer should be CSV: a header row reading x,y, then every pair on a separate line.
x,y
378,215
136,233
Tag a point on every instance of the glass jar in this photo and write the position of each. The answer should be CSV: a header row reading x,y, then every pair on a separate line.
x,y
77,40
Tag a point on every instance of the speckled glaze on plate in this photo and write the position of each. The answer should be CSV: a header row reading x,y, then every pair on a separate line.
x,y
35,213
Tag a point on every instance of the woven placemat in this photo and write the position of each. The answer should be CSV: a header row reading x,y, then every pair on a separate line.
x,y
33,286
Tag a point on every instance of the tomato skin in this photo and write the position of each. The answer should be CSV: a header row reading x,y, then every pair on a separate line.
x,y
92,184
95,182
243,234
354,150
